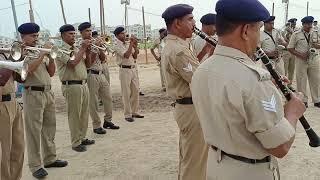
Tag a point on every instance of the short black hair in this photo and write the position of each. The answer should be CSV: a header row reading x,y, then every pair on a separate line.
x,y
225,26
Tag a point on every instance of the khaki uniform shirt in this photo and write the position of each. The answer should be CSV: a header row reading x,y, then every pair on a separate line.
x,y
79,72
178,64
198,43
9,88
240,109
97,65
299,42
40,77
120,49
267,43
159,44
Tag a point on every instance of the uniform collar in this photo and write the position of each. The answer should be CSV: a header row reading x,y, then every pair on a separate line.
x,y
176,38
233,53
66,45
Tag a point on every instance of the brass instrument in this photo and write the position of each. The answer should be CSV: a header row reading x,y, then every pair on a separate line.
x,y
313,52
15,51
19,67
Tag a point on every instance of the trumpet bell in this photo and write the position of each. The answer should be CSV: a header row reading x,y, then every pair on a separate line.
x,y
19,67
54,52
16,51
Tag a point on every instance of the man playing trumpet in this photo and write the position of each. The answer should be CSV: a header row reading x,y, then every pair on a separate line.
x,y
307,68
39,105
73,75
98,85
270,38
127,54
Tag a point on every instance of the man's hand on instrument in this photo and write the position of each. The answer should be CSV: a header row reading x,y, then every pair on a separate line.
x,y
305,56
294,108
86,43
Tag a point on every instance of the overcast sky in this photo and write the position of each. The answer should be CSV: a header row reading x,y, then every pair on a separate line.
x,y
48,12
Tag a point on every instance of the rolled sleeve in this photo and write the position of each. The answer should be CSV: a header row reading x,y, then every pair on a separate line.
x,y
292,42
277,135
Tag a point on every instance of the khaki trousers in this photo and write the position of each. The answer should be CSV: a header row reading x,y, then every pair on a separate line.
x,y
225,168
308,71
106,71
193,150
99,88
40,125
289,64
162,77
77,99
130,90
12,140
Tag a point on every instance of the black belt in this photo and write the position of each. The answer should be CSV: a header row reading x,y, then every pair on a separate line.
x,y
6,97
71,82
94,71
244,159
187,100
36,88
127,66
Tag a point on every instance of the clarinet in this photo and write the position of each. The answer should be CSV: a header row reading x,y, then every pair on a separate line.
x,y
314,140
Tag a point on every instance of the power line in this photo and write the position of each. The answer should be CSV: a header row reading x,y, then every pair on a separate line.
x,y
138,10
15,6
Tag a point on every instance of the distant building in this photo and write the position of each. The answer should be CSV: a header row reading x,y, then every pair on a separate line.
x,y
5,41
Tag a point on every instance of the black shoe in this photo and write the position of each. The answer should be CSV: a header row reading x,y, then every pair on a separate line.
x,y
100,130
110,125
141,93
57,163
137,116
129,119
306,104
87,142
80,148
317,104
40,173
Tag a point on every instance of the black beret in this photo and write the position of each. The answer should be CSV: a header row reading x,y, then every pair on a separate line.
x,y
94,33
84,26
176,11
307,19
66,27
208,19
271,18
118,30
315,21
28,28
292,20
242,10
162,30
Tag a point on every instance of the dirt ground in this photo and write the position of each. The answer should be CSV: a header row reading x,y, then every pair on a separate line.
x,y
148,148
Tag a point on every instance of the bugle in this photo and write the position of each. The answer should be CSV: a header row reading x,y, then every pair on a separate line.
x,y
19,67
14,51
314,140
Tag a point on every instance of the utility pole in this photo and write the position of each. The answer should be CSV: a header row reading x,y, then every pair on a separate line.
x,y
144,35
89,12
101,18
286,10
63,14
13,7
308,8
31,12
272,9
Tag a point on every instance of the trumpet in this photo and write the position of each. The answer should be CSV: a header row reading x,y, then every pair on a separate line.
x,y
53,52
19,67
14,50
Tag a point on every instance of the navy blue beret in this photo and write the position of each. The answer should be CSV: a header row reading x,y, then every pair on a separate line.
x,y
84,26
162,30
208,19
292,20
94,33
28,28
118,30
66,27
271,18
307,19
176,11
242,10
